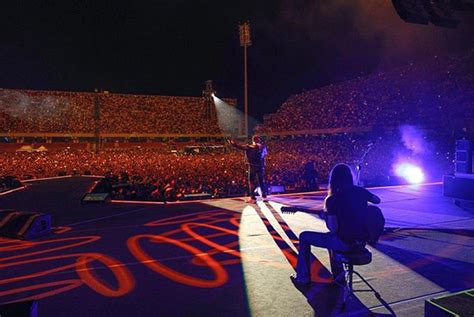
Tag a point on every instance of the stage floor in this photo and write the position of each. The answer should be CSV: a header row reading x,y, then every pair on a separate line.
x,y
224,257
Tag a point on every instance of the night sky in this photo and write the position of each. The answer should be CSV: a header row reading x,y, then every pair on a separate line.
x,y
170,47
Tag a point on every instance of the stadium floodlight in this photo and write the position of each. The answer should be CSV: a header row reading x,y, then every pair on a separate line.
x,y
244,34
245,41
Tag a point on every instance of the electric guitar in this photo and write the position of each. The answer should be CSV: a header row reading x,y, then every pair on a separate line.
x,y
374,220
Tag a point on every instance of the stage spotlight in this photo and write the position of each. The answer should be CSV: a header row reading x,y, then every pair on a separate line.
x,y
411,173
208,95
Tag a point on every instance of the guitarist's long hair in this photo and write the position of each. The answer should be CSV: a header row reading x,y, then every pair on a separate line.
x,y
340,179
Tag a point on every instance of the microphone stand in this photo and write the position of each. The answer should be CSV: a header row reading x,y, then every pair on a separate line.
x,y
360,163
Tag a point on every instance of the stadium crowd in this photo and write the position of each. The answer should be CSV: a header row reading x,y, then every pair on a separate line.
x,y
155,114
74,112
152,174
45,111
431,93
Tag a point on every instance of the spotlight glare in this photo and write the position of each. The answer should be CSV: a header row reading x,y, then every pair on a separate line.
x,y
411,173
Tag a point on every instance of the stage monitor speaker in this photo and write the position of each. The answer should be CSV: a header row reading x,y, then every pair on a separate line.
x,y
276,189
463,159
20,309
197,196
25,225
95,198
456,304
459,187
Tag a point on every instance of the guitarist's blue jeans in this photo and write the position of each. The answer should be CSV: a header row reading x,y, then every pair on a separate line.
x,y
329,241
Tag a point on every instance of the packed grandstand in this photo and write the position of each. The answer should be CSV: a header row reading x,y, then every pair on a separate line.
x,y
324,126
29,111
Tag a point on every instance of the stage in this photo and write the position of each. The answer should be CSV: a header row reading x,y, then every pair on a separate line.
x,y
224,257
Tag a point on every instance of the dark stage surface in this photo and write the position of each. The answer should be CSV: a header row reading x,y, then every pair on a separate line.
x,y
224,257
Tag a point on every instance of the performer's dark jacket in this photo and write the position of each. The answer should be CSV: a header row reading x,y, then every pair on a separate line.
x,y
256,156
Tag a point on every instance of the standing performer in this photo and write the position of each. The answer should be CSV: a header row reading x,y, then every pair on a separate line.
x,y
255,154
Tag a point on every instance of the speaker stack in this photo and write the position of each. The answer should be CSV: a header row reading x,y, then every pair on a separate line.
x,y
99,193
463,160
460,186
24,225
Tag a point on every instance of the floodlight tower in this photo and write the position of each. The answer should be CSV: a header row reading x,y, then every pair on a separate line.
x,y
244,35
207,93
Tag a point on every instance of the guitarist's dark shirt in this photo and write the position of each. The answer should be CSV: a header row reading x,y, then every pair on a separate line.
x,y
350,209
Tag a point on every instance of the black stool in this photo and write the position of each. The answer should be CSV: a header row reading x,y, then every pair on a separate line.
x,y
359,256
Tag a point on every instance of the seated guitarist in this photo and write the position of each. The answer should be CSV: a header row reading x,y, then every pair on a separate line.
x,y
345,214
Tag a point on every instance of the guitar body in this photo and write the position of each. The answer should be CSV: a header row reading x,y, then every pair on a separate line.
x,y
375,223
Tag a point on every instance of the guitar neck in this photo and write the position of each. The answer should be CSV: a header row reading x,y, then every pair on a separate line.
x,y
301,209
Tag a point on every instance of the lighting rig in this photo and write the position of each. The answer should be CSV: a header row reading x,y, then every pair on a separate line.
x,y
437,12
207,94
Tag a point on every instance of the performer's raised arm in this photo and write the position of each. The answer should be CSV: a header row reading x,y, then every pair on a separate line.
x,y
237,145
